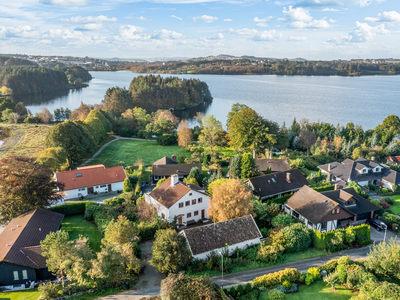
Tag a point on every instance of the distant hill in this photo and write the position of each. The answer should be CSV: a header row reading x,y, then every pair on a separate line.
x,y
11,61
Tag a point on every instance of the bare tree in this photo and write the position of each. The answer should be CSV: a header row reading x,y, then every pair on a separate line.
x,y
307,138
45,115
185,135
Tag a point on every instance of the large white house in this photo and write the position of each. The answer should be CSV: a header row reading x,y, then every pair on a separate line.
x,y
223,236
90,180
188,203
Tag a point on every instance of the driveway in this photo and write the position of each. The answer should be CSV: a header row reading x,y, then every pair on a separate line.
x,y
378,236
148,283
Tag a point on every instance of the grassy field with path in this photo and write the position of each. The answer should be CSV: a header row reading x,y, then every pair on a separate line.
x,y
320,288
129,151
396,208
76,225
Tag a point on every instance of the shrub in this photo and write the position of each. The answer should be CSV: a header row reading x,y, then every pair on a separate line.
x,y
167,139
332,279
388,200
247,287
345,260
252,295
282,220
330,266
48,290
384,204
287,285
240,289
312,275
276,295
350,234
342,273
232,292
293,289
357,276
274,279
70,209
296,237
90,210
264,231
269,253
148,230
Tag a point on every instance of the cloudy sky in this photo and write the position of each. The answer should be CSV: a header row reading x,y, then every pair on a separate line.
x,y
313,29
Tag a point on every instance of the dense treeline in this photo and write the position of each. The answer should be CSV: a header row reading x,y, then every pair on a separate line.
x,y
279,67
155,92
76,73
11,61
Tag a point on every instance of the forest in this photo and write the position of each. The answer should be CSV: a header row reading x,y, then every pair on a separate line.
x,y
276,67
155,92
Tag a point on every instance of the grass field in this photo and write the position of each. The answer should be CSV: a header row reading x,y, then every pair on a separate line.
x,y
76,225
24,139
396,208
317,290
20,295
129,151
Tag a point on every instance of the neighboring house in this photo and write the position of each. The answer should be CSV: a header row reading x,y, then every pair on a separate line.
x,y
393,160
166,167
237,233
263,164
188,203
21,261
89,180
329,210
278,184
362,171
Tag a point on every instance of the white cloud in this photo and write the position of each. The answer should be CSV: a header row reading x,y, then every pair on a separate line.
x,y
141,18
64,2
363,3
301,18
219,36
385,17
228,20
318,4
89,26
130,32
89,19
263,20
329,9
262,25
173,16
205,18
280,3
165,34
332,21
244,31
255,35
297,38
25,31
362,33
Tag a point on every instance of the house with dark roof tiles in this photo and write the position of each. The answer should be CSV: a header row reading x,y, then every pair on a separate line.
x,y
188,203
329,210
21,260
236,233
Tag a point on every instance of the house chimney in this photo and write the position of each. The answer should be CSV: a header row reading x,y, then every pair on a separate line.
x,y
174,157
174,180
337,187
329,167
373,158
288,177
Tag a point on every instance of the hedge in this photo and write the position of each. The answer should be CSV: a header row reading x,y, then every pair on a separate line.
x,y
282,200
322,239
70,209
275,279
324,188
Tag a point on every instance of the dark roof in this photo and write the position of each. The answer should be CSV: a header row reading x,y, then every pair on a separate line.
x,y
21,238
90,176
272,184
312,205
165,161
217,235
341,196
179,169
391,176
277,165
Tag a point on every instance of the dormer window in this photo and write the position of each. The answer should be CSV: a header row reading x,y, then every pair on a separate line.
x,y
79,175
365,171
350,202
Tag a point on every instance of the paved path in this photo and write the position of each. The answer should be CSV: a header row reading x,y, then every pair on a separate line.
x,y
149,282
108,143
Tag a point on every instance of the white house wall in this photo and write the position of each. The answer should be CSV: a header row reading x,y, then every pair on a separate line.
x,y
231,248
362,183
330,225
71,194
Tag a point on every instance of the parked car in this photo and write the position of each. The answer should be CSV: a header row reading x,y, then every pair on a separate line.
x,y
378,224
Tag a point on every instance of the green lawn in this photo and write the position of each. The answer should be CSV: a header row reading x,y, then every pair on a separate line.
x,y
129,151
317,290
76,225
20,295
396,208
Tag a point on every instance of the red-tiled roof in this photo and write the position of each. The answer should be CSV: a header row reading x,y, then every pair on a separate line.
x,y
168,195
90,176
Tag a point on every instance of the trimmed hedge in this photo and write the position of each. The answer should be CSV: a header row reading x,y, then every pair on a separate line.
x,y
324,188
70,209
276,279
322,239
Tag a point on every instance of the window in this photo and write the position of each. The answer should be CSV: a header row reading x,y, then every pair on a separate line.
x,y
337,210
310,224
189,215
97,187
81,189
181,205
190,194
162,216
333,211
200,200
187,203
103,185
323,226
196,213
16,277
24,274
193,201
79,175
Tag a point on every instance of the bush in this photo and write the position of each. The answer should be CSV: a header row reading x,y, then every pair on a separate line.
x,y
287,285
312,275
70,209
282,220
342,273
264,232
329,267
240,289
293,288
350,234
167,139
388,200
345,260
276,295
296,237
232,292
274,279
247,288
269,253
357,276
90,209
48,290
252,295
384,204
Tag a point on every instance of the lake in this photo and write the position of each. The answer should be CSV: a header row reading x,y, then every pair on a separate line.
x,y
363,100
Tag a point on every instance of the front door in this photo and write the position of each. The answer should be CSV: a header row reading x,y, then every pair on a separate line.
x,y
90,190
202,213
109,188
179,220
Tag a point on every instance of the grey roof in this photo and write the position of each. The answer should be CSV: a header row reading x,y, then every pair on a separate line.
x,y
277,165
341,196
178,169
273,184
348,170
165,161
217,235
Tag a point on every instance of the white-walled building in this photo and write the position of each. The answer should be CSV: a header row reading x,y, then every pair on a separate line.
x,y
176,199
90,180
229,235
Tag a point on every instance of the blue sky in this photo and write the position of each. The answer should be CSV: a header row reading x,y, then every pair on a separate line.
x,y
313,29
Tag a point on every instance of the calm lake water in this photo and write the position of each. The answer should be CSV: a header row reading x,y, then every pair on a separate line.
x,y
363,100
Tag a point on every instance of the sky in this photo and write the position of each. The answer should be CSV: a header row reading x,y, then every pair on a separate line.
x,y
311,29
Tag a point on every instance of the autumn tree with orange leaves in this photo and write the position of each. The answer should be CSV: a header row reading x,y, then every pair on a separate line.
x,y
185,135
